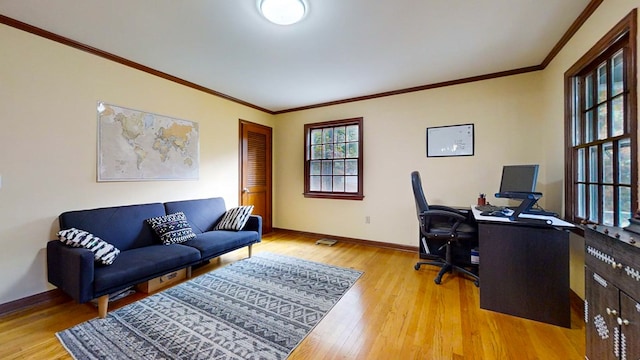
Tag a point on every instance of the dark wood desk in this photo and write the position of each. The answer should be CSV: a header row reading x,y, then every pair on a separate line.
x,y
524,270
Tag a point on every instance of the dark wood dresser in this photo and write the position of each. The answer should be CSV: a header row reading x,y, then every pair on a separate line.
x,y
612,293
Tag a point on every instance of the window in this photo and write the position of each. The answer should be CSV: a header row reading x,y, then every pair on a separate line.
x,y
601,154
333,159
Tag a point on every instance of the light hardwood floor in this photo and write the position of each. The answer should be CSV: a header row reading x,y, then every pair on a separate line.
x,y
392,312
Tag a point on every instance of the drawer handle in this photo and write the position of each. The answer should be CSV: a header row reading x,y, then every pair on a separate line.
x,y
168,277
612,312
616,265
623,321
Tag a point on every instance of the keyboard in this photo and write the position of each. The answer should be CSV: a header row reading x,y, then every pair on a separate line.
x,y
494,213
490,208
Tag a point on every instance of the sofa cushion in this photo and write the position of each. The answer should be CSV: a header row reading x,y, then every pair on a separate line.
x,y
234,219
215,243
103,252
172,228
202,214
122,226
138,265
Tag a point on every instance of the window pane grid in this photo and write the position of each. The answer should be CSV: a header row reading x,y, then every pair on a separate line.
x,y
590,126
581,206
624,161
607,204
602,122
338,142
592,199
602,82
593,164
624,204
588,91
617,116
333,157
576,116
602,144
605,170
581,160
607,163
617,74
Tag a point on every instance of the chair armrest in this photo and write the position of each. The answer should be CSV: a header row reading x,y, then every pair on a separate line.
x,y
446,208
71,269
254,224
451,215
446,213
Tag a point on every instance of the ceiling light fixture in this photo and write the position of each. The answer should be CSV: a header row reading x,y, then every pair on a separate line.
x,y
282,12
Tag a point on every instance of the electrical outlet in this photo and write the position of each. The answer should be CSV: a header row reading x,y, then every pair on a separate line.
x,y
367,219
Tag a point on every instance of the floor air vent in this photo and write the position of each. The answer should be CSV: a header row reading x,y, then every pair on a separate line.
x,y
328,242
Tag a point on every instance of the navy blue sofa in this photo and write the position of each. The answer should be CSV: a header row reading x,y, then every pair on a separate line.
x,y
142,256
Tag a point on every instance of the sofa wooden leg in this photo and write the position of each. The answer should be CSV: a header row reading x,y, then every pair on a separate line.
x,y
189,272
103,305
250,248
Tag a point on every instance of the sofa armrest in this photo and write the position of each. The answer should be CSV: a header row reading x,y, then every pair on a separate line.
x,y
71,269
254,224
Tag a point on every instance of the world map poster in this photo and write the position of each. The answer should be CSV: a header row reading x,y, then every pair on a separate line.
x,y
135,145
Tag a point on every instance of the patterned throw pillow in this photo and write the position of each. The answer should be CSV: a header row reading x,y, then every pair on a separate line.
x,y
103,252
172,228
234,219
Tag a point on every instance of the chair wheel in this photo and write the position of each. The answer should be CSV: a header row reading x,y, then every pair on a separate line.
x,y
477,283
437,281
416,266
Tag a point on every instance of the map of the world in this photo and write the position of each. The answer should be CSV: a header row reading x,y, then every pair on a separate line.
x,y
135,145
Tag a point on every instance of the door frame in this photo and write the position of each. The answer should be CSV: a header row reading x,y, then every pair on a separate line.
x,y
268,169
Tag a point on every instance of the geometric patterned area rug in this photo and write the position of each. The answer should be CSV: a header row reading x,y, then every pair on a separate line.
x,y
257,308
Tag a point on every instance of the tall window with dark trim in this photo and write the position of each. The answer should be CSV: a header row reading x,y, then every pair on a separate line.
x,y
333,159
601,184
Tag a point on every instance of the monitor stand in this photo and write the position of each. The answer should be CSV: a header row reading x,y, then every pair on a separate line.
x,y
529,199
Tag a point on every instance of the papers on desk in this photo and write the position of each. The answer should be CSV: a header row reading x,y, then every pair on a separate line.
x,y
535,219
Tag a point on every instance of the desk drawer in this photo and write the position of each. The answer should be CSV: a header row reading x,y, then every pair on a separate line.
x,y
614,258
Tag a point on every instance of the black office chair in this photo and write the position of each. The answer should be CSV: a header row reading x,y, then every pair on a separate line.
x,y
445,239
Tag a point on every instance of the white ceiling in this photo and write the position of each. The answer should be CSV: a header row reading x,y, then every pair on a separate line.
x,y
342,49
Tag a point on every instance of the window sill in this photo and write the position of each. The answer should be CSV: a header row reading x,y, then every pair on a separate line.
x,y
338,196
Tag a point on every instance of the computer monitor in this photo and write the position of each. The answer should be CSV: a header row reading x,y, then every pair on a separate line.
x,y
519,178
519,182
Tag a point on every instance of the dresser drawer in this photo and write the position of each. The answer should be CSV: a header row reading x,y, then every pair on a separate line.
x,y
610,253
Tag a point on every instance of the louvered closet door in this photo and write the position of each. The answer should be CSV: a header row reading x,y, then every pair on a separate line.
x,y
255,170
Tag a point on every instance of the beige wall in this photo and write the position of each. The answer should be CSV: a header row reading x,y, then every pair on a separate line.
x,y
48,95
518,119
505,118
